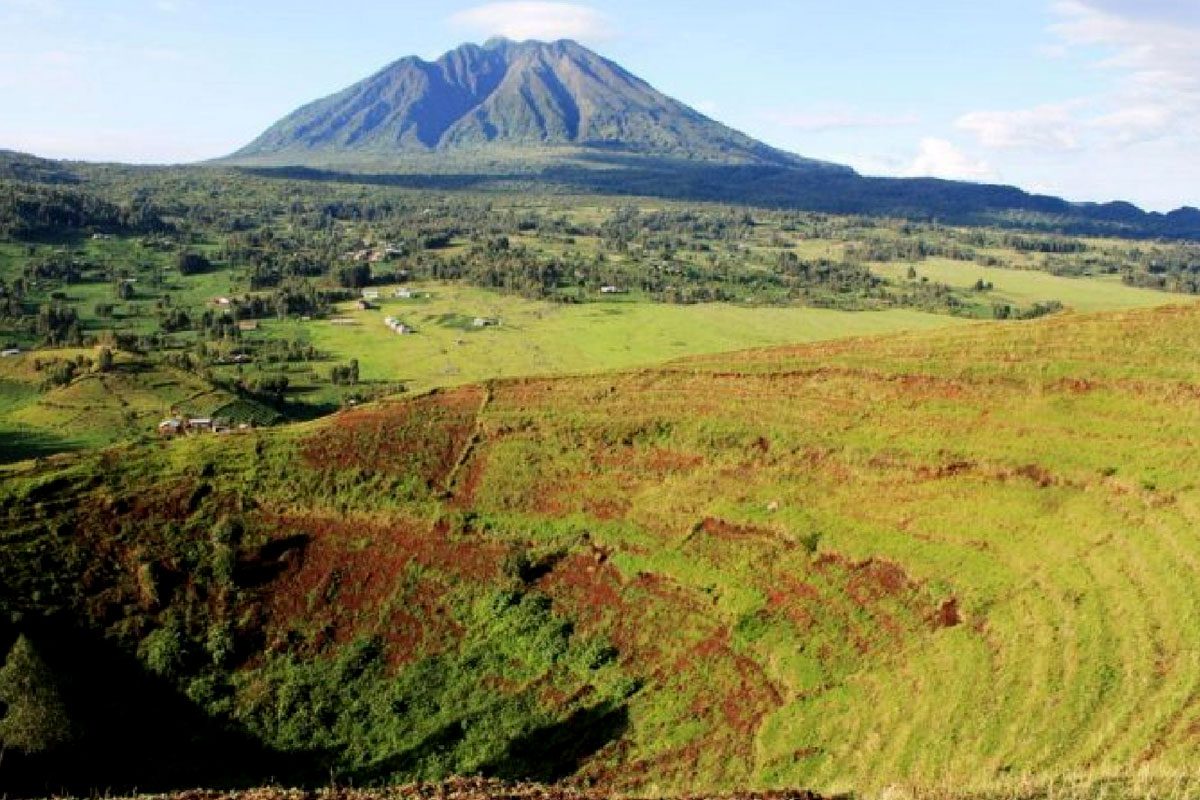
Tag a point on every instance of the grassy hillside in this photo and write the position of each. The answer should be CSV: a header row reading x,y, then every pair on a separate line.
x,y
96,409
942,558
542,338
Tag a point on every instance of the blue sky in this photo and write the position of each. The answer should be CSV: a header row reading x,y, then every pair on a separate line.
x,y
1089,99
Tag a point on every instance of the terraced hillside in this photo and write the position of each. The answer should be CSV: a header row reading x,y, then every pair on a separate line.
x,y
93,409
941,558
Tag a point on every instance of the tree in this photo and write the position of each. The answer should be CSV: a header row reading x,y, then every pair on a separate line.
x,y
345,376
193,264
36,718
104,360
354,277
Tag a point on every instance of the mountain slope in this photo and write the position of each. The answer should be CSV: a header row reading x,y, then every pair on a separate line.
x,y
936,559
559,114
502,95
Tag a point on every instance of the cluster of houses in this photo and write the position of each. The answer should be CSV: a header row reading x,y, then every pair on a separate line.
x,y
374,255
397,326
236,358
183,424
371,296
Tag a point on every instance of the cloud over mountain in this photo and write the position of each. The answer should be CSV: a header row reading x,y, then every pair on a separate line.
x,y
535,20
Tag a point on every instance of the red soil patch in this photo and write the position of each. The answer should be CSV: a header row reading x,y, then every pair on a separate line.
x,y
721,529
745,699
1039,475
874,580
950,470
947,615
882,589
654,461
390,580
424,437
127,568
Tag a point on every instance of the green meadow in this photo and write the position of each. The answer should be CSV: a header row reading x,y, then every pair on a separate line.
x,y
540,338
1025,286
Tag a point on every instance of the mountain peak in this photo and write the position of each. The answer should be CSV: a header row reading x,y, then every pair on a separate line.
x,y
503,96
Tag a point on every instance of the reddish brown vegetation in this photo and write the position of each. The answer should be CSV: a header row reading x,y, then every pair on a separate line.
x,y
874,579
654,461
950,470
796,600
389,579
947,615
721,529
423,437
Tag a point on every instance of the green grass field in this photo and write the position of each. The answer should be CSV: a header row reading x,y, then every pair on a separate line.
x,y
1023,287
536,338
533,338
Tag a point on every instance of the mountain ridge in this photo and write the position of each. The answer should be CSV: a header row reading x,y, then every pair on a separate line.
x,y
523,95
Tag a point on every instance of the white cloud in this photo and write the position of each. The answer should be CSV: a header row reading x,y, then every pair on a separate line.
x,y
838,120
1185,12
535,20
1135,123
939,158
1151,50
1046,126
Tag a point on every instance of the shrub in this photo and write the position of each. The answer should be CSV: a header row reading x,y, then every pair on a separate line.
x,y
36,719
163,651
